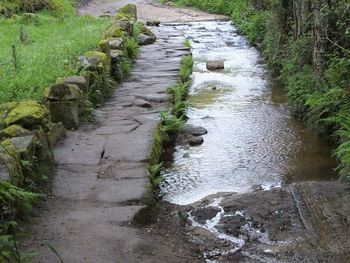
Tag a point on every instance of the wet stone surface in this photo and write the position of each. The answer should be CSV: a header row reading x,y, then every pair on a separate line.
x,y
101,181
304,222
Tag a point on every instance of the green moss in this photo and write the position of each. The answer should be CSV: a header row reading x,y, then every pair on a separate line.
x,y
104,63
27,113
115,31
128,11
4,110
14,131
10,160
63,92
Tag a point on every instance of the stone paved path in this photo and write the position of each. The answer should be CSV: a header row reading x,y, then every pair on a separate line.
x,y
101,180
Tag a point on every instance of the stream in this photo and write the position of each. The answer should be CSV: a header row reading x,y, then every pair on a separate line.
x,y
253,140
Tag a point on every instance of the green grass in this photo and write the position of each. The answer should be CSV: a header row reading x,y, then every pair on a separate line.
x,y
49,50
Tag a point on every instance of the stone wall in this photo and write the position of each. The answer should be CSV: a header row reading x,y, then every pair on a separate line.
x,y
29,129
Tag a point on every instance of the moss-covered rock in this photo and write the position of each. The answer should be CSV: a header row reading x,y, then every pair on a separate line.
x,y
105,48
63,92
56,133
66,112
115,31
4,111
10,164
28,114
99,59
80,81
43,153
116,43
14,131
128,11
145,30
125,25
25,145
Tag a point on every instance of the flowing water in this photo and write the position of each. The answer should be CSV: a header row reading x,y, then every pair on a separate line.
x,y
253,140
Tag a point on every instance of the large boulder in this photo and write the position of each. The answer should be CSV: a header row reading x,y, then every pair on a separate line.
x,y
128,11
28,114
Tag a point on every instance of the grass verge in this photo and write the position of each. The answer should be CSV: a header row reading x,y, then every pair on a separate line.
x,y
38,48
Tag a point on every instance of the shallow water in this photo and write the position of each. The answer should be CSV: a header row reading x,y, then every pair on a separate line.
x,y
253,141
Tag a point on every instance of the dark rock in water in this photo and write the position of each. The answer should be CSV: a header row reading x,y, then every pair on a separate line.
x,y
215,65
159,98
233,225
146,40
201,215
195,140
153,23
194,130
142,103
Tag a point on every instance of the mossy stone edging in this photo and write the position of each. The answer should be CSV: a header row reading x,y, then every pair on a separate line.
x,y
30,129
165,136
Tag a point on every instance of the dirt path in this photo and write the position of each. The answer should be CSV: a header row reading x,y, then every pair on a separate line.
x,y
149,10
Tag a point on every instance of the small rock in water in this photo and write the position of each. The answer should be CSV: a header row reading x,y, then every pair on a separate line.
x,y
153,23
215,65
142,103
146,40
195,140
201,215
194,130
